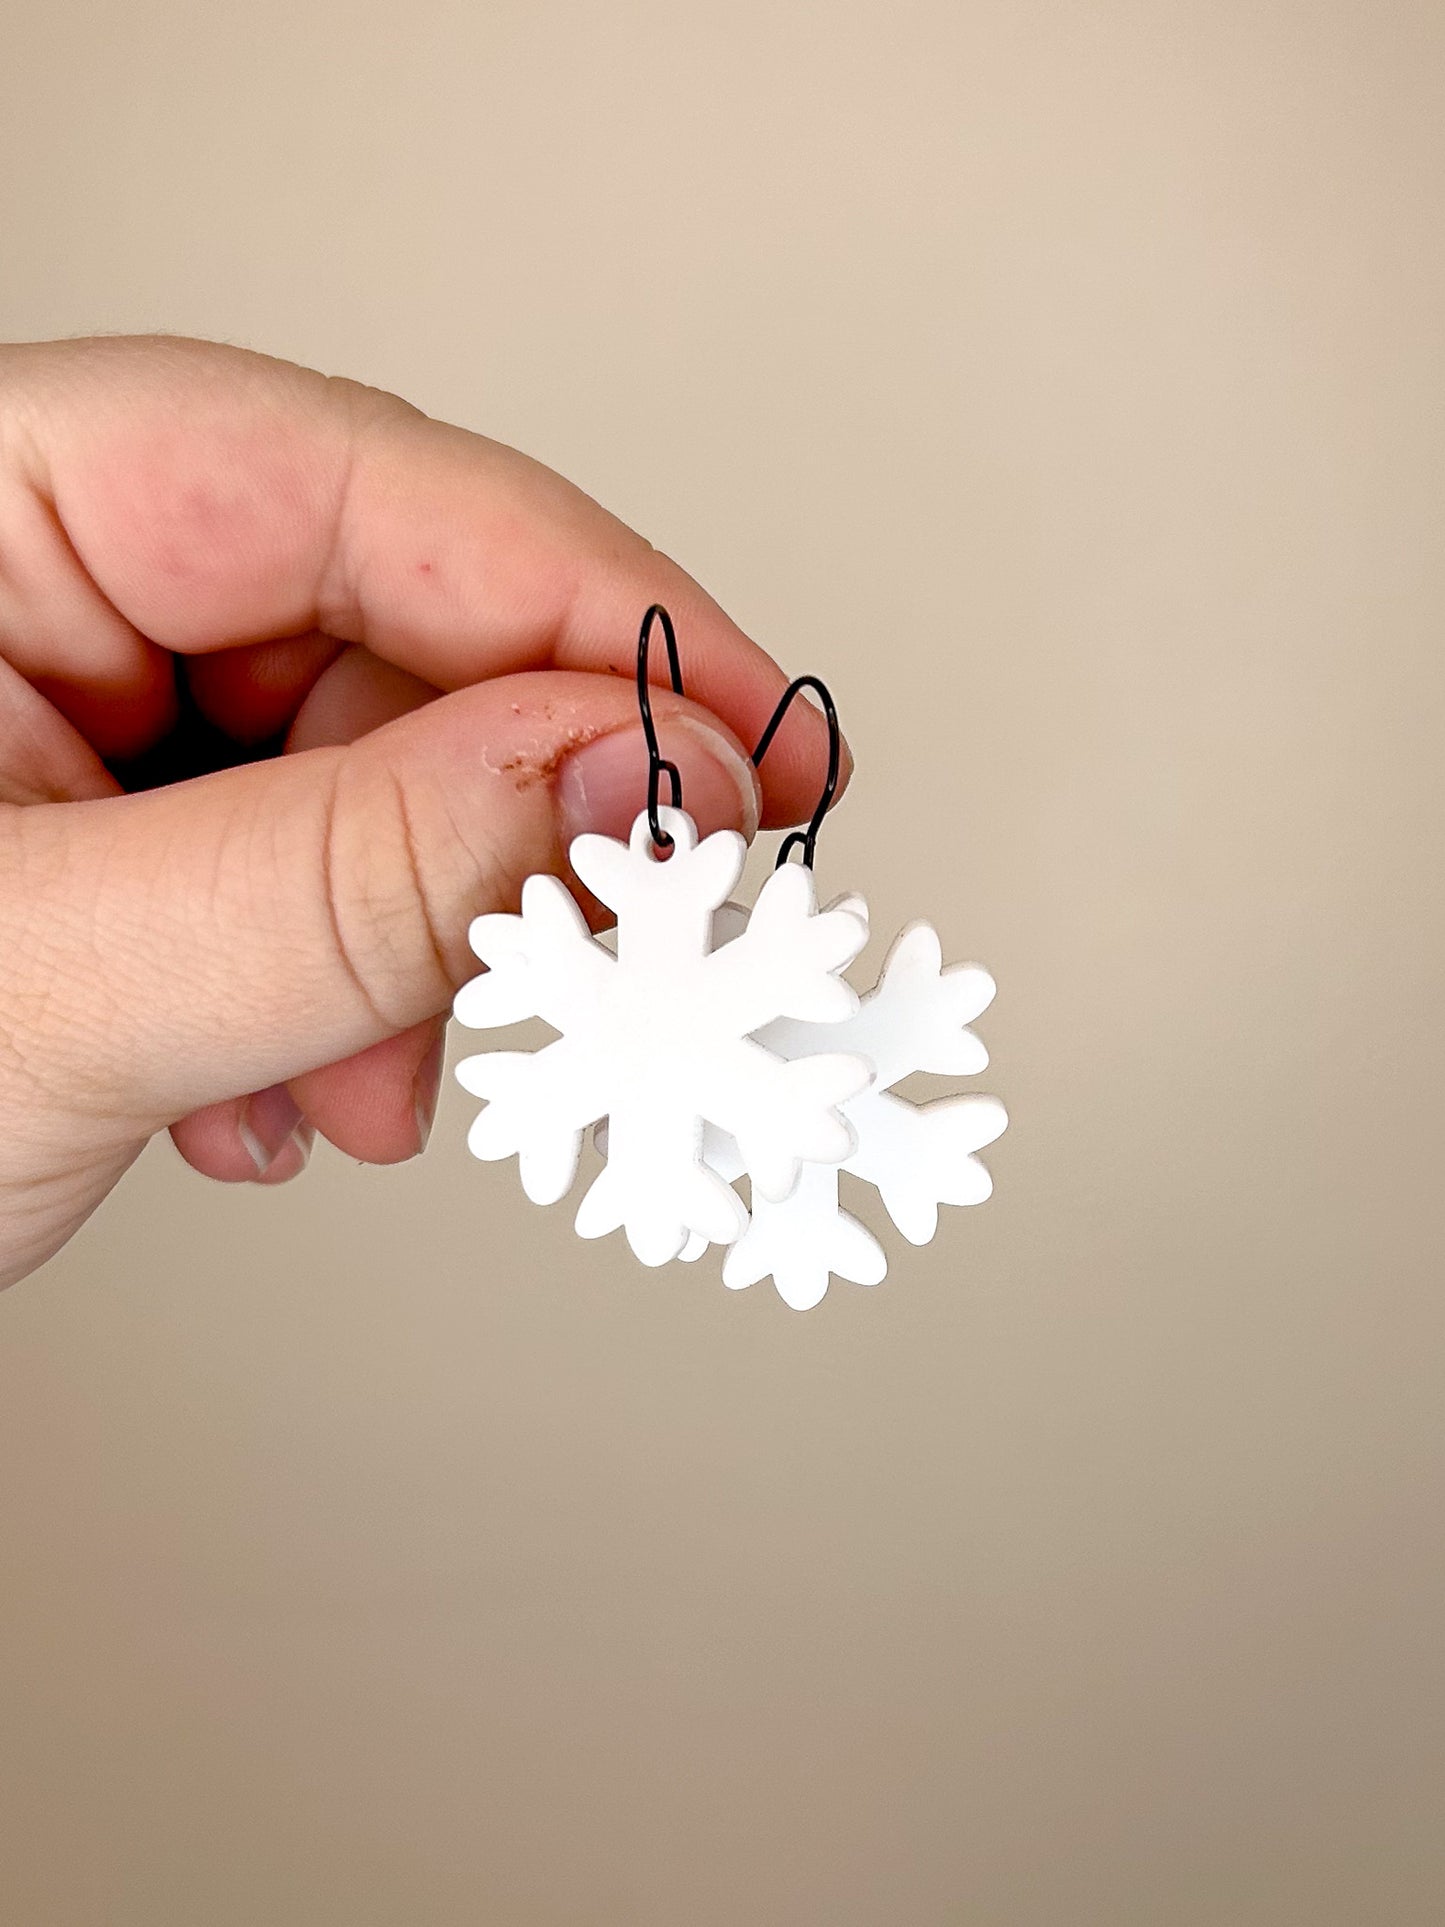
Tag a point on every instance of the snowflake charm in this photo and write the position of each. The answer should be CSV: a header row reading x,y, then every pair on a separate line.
x,y
663,1039
917,1155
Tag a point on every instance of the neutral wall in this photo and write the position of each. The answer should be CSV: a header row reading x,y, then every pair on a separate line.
x,y
1065,383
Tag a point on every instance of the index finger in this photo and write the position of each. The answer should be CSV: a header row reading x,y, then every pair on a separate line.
x,y
191,498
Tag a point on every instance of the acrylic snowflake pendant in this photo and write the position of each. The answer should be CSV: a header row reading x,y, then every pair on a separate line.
x,y
662,1039
918,1156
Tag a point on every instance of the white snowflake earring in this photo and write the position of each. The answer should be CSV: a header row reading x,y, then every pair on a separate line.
x,y
917,1156
658,1039
718,1042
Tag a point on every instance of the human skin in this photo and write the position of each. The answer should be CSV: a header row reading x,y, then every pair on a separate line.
x,y
205,551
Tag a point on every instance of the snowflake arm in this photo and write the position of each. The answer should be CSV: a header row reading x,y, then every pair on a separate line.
x,y
801,1241
784,962
539,1103
921,1155
914,1019
544,963
657,1189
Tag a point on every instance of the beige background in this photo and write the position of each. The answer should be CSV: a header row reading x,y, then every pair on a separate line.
x,y
1065,383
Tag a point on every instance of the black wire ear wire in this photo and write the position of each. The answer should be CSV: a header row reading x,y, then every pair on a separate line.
x,y
657,763
806,840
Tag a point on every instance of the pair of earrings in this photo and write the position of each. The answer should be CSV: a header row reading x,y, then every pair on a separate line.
x,y
716,1042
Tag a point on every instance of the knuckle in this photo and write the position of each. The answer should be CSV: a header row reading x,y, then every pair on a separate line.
x,y
400,885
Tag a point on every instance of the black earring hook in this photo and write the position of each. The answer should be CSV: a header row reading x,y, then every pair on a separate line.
x,y
658,765
807,840
656,761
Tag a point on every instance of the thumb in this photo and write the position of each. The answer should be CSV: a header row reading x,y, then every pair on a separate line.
x,y
186,945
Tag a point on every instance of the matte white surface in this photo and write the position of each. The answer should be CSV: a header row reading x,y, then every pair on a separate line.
x,y
659,1038
918,1156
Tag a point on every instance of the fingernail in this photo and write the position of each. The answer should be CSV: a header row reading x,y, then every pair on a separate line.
x,y
602,786
291,1160
427,1086
268,1123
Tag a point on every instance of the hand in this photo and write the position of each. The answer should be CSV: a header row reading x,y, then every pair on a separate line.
x,y
205,553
